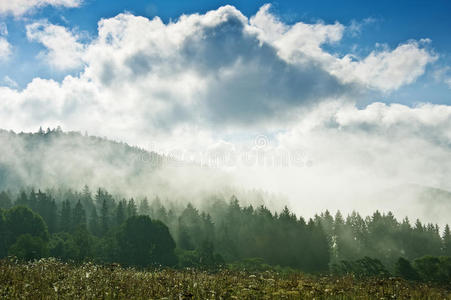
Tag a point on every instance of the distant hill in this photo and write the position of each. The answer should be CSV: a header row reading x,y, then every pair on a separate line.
x,y
55,159
58,158
416,201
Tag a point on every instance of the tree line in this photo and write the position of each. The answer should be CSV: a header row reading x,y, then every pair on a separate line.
x,y
101,227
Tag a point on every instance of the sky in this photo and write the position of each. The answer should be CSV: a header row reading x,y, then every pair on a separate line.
x,y
316,99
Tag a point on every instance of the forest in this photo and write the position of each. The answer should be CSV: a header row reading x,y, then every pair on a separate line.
x,y
96,226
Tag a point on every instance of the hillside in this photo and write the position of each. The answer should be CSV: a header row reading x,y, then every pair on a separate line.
x,y
57,159
415,201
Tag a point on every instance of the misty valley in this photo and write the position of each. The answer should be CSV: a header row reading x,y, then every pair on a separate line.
x,y
46,212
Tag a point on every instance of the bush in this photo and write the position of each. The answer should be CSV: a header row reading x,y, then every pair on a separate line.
x,y
404,269
199,259
434,269
29,247
365,267
251,264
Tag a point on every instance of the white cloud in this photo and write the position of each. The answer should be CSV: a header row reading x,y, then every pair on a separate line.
x,y
299,42
3,29
63,49
443,74
5,46
5,49
355,27
217,70
10,82
359,152
386,70
21,7
448,82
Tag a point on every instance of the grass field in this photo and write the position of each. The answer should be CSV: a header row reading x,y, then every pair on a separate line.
x,y
51,279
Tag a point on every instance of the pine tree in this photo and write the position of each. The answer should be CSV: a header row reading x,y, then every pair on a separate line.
x,y
120,213
446,240
5,200
144,208
104,218
22,200
131,208
65,223
94,224
99,197
79,215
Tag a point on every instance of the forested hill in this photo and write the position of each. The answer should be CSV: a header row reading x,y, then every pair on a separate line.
x,y
54,158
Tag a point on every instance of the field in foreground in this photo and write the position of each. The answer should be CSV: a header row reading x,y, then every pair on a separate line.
x,y
51,279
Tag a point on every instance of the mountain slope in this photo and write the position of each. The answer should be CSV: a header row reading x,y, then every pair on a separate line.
x,y
55,159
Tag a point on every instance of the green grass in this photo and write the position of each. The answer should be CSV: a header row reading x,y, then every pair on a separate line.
x,y
52,279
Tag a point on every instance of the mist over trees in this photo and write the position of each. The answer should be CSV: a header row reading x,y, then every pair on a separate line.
x,y
102,227
138,221
52,158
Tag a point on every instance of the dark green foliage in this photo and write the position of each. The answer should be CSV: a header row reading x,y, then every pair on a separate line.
x,y
380,236
106,229
21,220
45,206
143,242
104,218
203,257
66,217
430,268
94,225
120,213
365,267
3,235
251,265
78,216
28,247
62,246
131,208
435,269
5,200
446,245
404,269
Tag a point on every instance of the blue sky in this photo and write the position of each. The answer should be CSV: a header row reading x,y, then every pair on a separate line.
x,y
391,23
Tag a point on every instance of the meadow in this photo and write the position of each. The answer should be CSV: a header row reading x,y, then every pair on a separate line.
x,y
53,279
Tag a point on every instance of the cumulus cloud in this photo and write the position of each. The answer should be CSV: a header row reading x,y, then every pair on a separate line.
x,y
220,69
21,7
384,70
63,49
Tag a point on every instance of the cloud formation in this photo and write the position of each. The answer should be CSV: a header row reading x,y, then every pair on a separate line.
x,y
385,70
20,7
64,52
5,47
216,70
